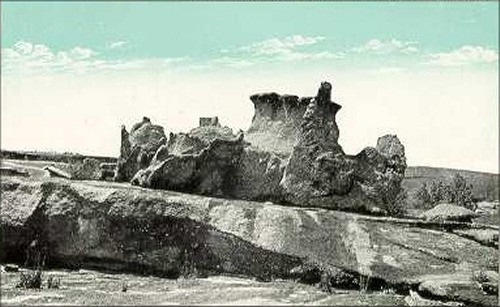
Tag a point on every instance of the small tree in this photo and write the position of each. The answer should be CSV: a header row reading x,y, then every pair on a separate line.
x,y
424,196
457,192
462,192
434,192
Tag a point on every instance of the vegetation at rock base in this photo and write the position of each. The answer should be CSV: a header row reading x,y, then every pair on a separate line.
x,y
479,277
53,283
35,262
30,279
88,169
392,200
487,284
399,205
457,192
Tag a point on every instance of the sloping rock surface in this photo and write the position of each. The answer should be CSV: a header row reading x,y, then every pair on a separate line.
x,y
123,227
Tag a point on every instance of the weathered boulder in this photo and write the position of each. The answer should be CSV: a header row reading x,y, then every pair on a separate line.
x,y
55,172
379,171
116,226
390,146
138,148
184,143
128,228
198,138
208,134
450,212
204,172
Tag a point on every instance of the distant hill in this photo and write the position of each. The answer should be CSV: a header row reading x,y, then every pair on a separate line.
x,y
66,157
484,185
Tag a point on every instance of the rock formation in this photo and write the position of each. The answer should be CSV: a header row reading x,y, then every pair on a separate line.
x,y
290,154
318,166
319,173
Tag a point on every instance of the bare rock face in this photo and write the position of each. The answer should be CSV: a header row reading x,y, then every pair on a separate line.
x,y
390,146
379,171
276,121
319,173
318,166
196,162
318,126
125,143
138,148
184,143
257,176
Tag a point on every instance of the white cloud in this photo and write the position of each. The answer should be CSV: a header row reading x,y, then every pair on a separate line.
x,y
279,46
231,62
464,55
385,47
79,53
27,58
117,45
285,49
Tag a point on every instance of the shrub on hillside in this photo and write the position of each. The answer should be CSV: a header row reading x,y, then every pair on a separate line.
x,y
457,192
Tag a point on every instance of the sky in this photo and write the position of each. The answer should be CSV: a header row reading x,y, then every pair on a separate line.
x,y
74,72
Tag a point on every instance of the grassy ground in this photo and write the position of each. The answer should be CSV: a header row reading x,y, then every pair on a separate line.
x,y
85,287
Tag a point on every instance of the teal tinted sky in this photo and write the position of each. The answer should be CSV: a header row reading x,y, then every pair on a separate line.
x,y
199,29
